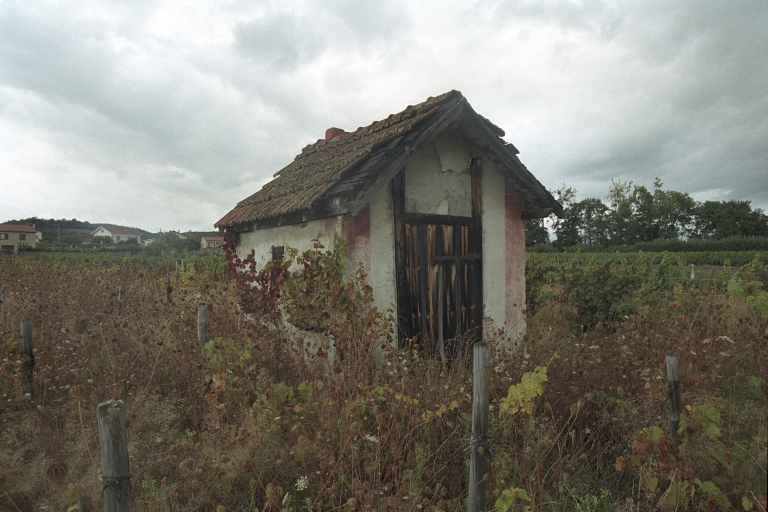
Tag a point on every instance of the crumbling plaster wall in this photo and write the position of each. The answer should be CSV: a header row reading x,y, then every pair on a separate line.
x,y
437,178
503,259
298,236
369,236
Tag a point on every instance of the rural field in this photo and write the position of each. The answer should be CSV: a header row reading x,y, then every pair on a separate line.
x,y
579,414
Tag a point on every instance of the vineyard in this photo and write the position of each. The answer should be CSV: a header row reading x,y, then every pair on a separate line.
x,y
254,421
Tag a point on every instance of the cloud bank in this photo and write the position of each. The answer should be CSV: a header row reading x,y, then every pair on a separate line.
x,y
164,114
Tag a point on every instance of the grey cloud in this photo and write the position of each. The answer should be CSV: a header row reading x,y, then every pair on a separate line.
x,y
285,39
281,40
617,90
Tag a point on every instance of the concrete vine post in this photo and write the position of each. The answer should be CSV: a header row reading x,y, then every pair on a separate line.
x,y
202,325
693,276
115,473
479,445
168,287
675,398
27,357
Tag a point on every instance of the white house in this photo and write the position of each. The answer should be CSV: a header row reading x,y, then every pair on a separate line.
x,y
117,233
211,242
431,200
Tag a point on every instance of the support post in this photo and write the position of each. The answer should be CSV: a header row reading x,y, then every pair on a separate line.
x,y
675,398
27,358
168,287
119,298
115,474
202,325
693,276
2,298
440,310
422,250
65,271
479,445
177,271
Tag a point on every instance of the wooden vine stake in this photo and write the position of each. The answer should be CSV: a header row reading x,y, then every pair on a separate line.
x,y
27,358
119,298
2,299
115,474
202,339
479,444
675,399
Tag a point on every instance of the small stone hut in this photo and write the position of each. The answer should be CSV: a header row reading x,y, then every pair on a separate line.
x,y
432,202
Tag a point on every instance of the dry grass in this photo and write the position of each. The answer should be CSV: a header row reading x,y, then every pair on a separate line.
x,y
279,430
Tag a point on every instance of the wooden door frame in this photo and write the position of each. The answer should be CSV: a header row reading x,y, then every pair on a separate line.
x,y
401,218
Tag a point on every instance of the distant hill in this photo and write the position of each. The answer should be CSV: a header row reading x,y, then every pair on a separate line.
x,y
73,231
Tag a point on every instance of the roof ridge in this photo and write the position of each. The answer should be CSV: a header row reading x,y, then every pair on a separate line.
x,y
322,163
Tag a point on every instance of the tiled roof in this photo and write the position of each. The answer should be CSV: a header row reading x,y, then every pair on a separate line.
x,y
213,238
17,228
346,161
320,165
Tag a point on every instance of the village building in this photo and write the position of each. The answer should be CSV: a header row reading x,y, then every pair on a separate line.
x,y
117,233
431,201
212,242
13,236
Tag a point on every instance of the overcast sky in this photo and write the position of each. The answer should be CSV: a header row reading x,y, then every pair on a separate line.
x,y
163,114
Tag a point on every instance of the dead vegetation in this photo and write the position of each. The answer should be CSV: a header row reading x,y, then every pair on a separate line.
x,y
279,430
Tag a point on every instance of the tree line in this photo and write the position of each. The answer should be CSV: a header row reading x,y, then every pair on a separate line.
x,y
634,214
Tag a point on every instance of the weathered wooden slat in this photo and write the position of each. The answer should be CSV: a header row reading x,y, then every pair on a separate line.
x,y
441,310
457,285
401,278
422,282
476,246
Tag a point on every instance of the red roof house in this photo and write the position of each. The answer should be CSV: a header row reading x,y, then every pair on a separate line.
x,y
12,236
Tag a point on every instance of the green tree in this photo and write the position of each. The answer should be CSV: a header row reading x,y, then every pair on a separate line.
x,y
535,232
621,224
722,219
170,242
593,225
567,228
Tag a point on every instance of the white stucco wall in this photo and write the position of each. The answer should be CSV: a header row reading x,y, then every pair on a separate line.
x,y
382,271
494,255
298,236
374,244
437,178
503,259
